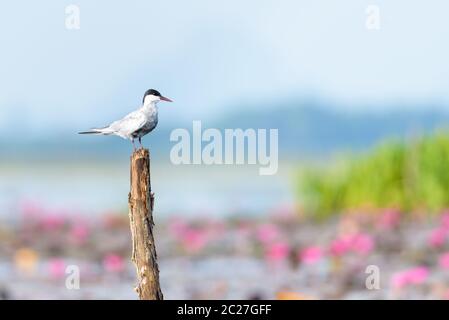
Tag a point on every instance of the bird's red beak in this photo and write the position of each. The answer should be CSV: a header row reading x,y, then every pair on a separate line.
x,y
166,99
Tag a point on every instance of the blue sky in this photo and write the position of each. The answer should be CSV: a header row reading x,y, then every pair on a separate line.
x,y
210,56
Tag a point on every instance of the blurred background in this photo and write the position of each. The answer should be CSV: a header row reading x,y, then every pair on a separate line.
x,y
363,148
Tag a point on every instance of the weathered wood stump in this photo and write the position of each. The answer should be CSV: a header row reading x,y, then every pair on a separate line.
x,y
141,202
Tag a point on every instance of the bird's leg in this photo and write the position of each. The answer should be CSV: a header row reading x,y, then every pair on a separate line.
x,y
140,141
134,146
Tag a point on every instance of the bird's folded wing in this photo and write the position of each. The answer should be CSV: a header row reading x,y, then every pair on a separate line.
x,y
129,124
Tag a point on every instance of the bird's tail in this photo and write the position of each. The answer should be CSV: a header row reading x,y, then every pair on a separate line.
x,y
104,131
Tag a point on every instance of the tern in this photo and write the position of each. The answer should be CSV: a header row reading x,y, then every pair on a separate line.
x,y
136,124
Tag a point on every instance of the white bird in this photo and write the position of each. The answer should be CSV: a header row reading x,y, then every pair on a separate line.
x,y
136,124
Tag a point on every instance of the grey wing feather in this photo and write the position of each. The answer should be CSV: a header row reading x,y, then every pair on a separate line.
x,y
126,126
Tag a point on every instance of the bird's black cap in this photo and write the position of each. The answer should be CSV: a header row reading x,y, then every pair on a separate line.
x,y
152,92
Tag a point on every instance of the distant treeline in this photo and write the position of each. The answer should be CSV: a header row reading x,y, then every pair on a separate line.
x,y
408,176
307,129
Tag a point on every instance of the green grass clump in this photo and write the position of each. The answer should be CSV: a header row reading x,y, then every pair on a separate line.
x,y
409,176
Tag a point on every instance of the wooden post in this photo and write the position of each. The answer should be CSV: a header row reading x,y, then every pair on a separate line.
x,y
141,201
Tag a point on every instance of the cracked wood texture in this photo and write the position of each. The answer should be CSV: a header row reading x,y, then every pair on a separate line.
x,y
141,201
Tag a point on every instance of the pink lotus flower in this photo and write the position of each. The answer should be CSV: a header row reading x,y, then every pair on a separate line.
x,y
444,260
113,263
267,233
389,219
56,268
417,275
79,233
360,243
340,247
52,222
194,240
277,252
399,280
311,255
437,237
